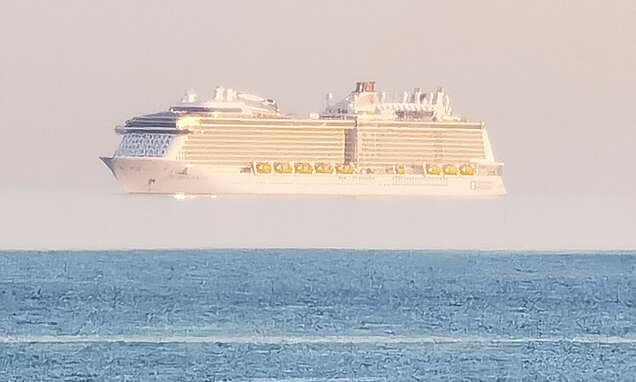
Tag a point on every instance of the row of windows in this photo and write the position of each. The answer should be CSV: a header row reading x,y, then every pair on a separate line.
x,y
144,145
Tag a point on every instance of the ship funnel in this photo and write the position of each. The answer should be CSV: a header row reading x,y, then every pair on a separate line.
x,y
365,86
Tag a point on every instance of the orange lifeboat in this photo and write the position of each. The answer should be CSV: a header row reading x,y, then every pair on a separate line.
x,y
433,169
400,169
303,168
324,168
450,170
345,169
283,168
263,167
467,170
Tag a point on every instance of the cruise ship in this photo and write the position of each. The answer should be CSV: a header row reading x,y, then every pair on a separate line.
x,y
369,143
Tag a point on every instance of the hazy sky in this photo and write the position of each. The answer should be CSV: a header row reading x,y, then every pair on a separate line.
x,y
555,81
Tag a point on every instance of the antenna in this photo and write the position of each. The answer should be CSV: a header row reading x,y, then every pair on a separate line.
x,y
328,99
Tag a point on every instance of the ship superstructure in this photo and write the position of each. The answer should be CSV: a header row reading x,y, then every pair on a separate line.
x,y
366,144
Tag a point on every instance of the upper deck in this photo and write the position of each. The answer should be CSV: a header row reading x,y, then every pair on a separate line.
x,y
364,129
364,105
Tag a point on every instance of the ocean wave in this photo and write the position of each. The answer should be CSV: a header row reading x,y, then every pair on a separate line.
x,y
308,340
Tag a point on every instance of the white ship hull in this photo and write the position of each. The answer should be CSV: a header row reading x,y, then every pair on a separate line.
x,y
162,176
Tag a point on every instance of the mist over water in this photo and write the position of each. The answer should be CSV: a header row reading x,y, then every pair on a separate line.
x,y
94,219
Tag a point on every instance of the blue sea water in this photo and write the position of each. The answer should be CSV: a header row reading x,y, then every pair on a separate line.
x,y
317,315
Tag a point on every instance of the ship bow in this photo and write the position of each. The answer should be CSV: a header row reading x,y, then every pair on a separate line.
x,y
110,163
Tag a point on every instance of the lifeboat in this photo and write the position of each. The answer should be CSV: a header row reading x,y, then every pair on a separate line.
x,y
324,168
263,167
450,170
345,169
283,168
399,169
467,170
303,168
433,169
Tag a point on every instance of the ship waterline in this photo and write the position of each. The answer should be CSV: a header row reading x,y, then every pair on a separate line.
x,y
240,144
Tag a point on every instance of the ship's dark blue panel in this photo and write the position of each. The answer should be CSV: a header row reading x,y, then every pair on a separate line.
x,y
164,120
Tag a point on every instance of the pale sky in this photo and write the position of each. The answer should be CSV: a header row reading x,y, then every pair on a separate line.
x,y
555,82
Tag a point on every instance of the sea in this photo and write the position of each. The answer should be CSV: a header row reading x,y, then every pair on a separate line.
x,y
317,315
